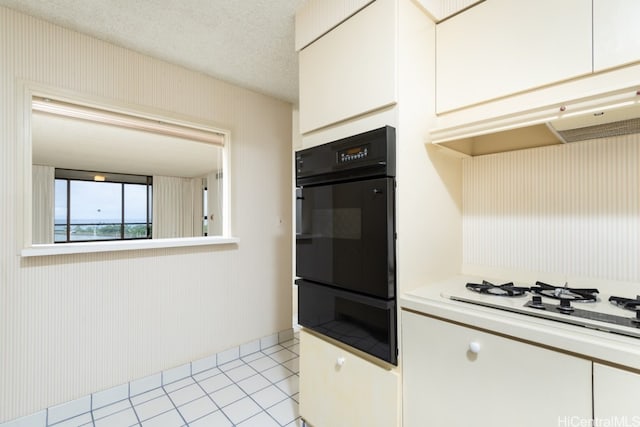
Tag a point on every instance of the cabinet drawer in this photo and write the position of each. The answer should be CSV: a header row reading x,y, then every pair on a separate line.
x,y
338,388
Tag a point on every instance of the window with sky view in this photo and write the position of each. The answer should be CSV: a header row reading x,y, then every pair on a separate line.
x,y
93,210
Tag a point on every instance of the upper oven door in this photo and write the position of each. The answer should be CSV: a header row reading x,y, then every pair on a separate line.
x,y
346,236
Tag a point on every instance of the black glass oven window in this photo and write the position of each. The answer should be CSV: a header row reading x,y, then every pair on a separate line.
x,y
338,223
346,236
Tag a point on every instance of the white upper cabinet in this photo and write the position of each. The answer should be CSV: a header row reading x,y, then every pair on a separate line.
x,y
501,47
351,70
616,33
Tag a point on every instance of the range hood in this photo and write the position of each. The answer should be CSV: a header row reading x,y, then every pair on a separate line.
x,y
604,123
597,117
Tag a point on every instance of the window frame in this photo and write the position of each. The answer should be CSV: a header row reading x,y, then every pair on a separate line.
x,y
70,176
30,89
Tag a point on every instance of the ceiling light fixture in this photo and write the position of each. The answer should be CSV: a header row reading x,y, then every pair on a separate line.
x,y
64,109
99,178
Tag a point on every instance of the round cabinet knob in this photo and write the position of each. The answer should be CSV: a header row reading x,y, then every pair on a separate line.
x,y
474,347
340,361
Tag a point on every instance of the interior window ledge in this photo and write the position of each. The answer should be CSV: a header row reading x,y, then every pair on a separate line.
x,y
126,245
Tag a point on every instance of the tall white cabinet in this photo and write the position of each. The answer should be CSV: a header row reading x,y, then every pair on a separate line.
x,y
349,72
374,69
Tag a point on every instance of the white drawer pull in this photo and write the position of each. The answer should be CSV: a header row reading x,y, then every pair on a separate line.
x,y
474,347
340,361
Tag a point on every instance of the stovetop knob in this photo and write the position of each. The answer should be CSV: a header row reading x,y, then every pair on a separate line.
x,y
565,306
536,302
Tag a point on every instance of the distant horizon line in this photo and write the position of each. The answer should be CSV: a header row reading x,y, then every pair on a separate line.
x,y
63,221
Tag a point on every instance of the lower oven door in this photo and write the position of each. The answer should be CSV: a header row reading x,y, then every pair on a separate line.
x,y
363,322
346,236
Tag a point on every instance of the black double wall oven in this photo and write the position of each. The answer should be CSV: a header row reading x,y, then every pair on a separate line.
x,y
345,241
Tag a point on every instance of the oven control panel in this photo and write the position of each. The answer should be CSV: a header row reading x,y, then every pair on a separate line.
x,y
352,154
368,154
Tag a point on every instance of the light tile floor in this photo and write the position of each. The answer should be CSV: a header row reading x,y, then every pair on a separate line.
x,y
259,390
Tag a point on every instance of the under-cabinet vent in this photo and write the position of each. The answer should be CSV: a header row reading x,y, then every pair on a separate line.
x,y
623,127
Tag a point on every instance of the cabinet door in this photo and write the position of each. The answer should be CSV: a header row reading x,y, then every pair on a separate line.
x,y
351,70
503,383
615,396
616,33
501,47
338,388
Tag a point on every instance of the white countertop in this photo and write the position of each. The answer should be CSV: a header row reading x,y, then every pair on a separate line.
x,y
589,343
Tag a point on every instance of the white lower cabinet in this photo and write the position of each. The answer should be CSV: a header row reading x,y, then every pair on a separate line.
x,y
455,375
615,396
338,388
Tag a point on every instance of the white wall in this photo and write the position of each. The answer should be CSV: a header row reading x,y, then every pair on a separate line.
x,y
572,210
74,324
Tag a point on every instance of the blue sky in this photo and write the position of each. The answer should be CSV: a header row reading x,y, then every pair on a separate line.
x,y
100,201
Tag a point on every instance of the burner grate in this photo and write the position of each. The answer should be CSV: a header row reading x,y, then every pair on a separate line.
x,y
593,316
628,304
565,292
504,290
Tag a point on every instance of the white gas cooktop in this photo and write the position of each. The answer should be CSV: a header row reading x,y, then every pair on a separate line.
x,y
585,306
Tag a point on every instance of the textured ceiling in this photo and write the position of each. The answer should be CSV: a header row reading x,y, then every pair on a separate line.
x,y
246,42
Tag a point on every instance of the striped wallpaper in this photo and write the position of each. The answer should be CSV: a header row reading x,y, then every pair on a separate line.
x,y
450,7
441,9
75,324
316,17
569,209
